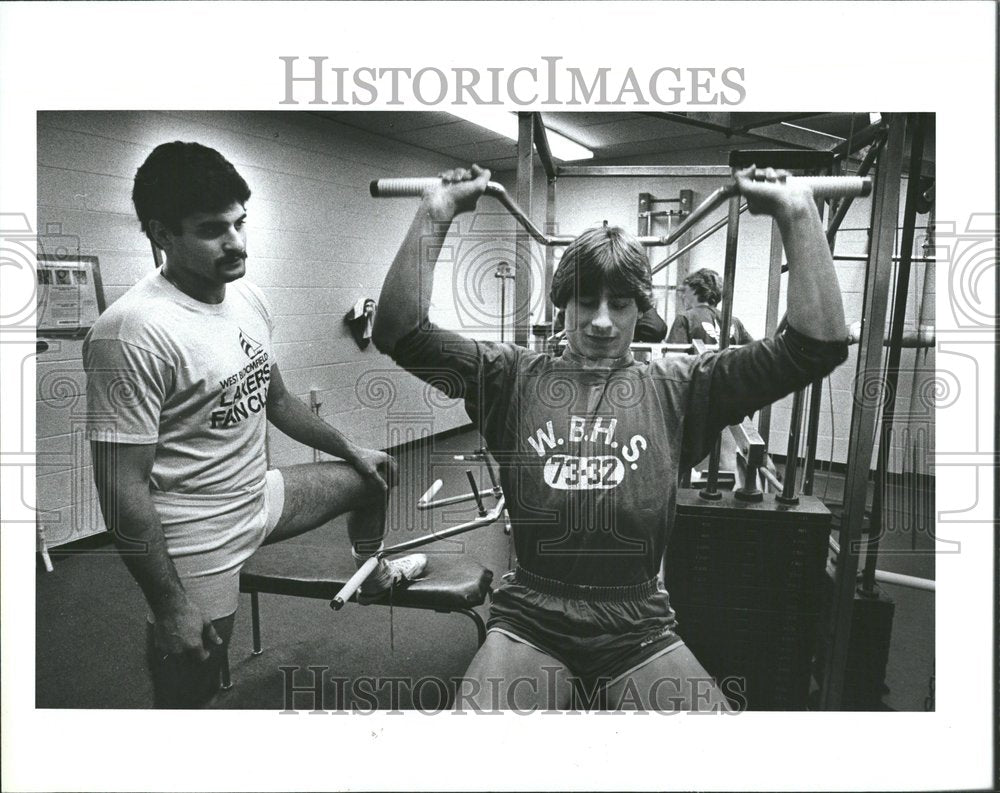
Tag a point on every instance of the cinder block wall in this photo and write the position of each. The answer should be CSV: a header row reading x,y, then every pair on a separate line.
x,y
317,242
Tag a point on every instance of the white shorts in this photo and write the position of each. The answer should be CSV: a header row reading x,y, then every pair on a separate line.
x,y
209,537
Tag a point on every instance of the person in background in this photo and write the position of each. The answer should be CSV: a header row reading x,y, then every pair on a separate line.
x,y
700,294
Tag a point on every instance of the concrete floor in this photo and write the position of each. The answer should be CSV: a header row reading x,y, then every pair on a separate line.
x,y
90,614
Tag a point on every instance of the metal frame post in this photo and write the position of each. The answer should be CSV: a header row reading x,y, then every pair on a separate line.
x,y
551,227
522,260
541,142
885,214
895,346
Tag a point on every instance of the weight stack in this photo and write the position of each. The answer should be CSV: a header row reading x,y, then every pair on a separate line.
x,y
867,650
747,581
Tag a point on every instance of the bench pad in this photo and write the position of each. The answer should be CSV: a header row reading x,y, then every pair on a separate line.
x,y
319,571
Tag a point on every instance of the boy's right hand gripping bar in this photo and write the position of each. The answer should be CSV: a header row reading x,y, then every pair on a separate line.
x,y
823,187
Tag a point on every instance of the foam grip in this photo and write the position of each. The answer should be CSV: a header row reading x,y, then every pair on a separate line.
x,y
354,583
835,186
431,492
408,187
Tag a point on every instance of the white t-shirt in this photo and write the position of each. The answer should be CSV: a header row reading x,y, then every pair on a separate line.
x,y
191,377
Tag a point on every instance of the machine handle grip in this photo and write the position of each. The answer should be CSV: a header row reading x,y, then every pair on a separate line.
x,y
354,583
416,186
431,492
834,186
403,187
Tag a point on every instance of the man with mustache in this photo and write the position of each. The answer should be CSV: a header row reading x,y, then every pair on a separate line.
x,y
182,377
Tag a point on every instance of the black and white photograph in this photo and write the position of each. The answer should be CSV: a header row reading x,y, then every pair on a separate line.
x,y
421,401
241,467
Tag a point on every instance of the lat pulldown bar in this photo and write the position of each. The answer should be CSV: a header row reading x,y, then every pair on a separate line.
x,y
823,187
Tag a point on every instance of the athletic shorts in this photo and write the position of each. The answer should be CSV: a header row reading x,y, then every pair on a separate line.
x,y
599,634
209,537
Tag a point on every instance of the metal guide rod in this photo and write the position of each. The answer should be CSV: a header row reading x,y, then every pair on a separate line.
x,y
729,273
354,582
711,491
787,495
815,397
885,214
812,434
822,186
771,318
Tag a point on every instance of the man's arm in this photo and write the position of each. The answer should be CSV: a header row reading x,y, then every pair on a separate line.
x,y
291,415
815,308
406,293
121,474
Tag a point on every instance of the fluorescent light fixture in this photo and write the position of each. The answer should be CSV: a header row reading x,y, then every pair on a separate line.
x,y
505,123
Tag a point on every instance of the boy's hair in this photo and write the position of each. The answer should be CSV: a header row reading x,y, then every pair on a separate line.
x,y
707,285
605,257
179,179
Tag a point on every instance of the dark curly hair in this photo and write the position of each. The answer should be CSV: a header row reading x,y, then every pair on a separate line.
x,y
707,285
179,179
605,257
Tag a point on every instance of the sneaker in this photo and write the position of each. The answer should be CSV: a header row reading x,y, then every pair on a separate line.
x,y
391,573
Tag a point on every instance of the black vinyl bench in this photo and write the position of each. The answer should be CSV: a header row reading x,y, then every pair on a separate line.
x,y
451,584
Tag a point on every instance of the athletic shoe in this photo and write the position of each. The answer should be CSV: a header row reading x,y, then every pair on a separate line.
x,y
391,573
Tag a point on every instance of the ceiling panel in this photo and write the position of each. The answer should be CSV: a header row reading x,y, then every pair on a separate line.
x,y
624,138
390,123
